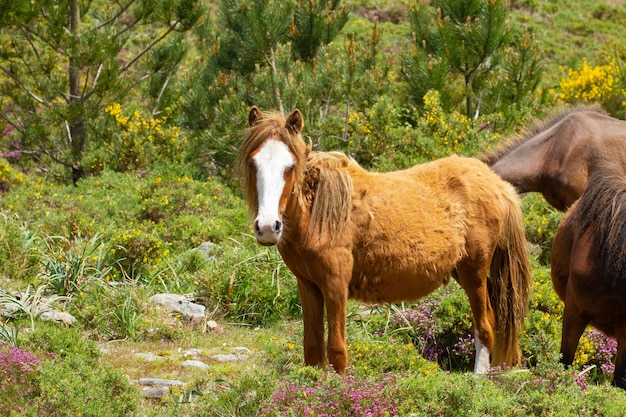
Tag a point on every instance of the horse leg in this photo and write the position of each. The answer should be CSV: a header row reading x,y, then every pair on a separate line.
x,y
336,310
619,376
474,283
313,319
574,324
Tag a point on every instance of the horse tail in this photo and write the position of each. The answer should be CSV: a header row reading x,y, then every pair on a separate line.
x,y
509,285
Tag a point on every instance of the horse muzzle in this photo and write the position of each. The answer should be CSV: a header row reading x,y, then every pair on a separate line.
x,y
268,233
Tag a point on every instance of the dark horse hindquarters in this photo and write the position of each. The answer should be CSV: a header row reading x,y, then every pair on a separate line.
x,y
588,266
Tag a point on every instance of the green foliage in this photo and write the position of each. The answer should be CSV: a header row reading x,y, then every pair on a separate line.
x,y
9,177
74,59
466,51
71,387
315,24
253,285
541,221
130,142
251,32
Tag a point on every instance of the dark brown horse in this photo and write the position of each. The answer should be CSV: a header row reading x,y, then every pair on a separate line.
x,y
556,157
589,265
386,237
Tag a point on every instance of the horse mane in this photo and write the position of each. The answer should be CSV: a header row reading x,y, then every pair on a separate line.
x,y
602,207
271,125
329,185
491,157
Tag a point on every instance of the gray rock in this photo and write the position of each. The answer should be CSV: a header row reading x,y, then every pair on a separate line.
x,y
179,304
159,382
229,357
58,316
192,352
195,364
149,356
206,249
157,392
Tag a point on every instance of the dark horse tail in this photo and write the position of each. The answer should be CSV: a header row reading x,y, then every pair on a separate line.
x,y
509,286
602,207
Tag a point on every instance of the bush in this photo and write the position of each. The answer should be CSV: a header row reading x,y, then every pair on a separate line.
x,y
603,84
19,370
331,395
252,284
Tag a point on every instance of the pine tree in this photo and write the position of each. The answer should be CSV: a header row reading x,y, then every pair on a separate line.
x,y
465,49
315,24
62,62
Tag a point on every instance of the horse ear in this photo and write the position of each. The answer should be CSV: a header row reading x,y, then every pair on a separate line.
x,y
295,123
254,116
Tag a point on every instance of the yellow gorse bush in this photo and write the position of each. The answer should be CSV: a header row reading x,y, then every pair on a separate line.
x,y
452,131
592,84
133,141
8,176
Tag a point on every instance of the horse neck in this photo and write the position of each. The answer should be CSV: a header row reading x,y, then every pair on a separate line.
x,y
522,165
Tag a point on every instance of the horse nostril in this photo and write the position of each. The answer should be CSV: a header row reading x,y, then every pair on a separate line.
x,y
278,225
257,229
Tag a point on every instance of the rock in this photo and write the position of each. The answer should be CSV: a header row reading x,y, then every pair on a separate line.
x,y
9,310
179,304
157,392
58,316
206,249
192,352
195,364
229,357
159,382
149,356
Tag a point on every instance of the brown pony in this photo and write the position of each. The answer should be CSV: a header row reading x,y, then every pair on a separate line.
x,y
589,265
345,233
556,157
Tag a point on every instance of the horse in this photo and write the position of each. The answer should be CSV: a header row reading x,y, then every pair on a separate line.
x,y
345,232
556,157
588,262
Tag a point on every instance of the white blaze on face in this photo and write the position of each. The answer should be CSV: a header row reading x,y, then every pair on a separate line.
x,y
271,161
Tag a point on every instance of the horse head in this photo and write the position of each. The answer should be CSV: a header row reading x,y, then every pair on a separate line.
x,y
271,160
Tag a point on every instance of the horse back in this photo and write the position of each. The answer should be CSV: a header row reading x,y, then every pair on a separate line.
x,y
421,223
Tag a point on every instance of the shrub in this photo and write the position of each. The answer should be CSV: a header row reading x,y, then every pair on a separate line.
x,y
9,177
72,387
18,379
331,395
439,326
252,284
129,141
603,84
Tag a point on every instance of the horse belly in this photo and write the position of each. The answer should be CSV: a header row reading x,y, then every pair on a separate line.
x,y
394,283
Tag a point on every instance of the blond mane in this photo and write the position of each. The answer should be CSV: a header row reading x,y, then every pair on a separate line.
x,y
330,183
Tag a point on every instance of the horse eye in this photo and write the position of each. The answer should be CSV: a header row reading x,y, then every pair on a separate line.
x,y
289,170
